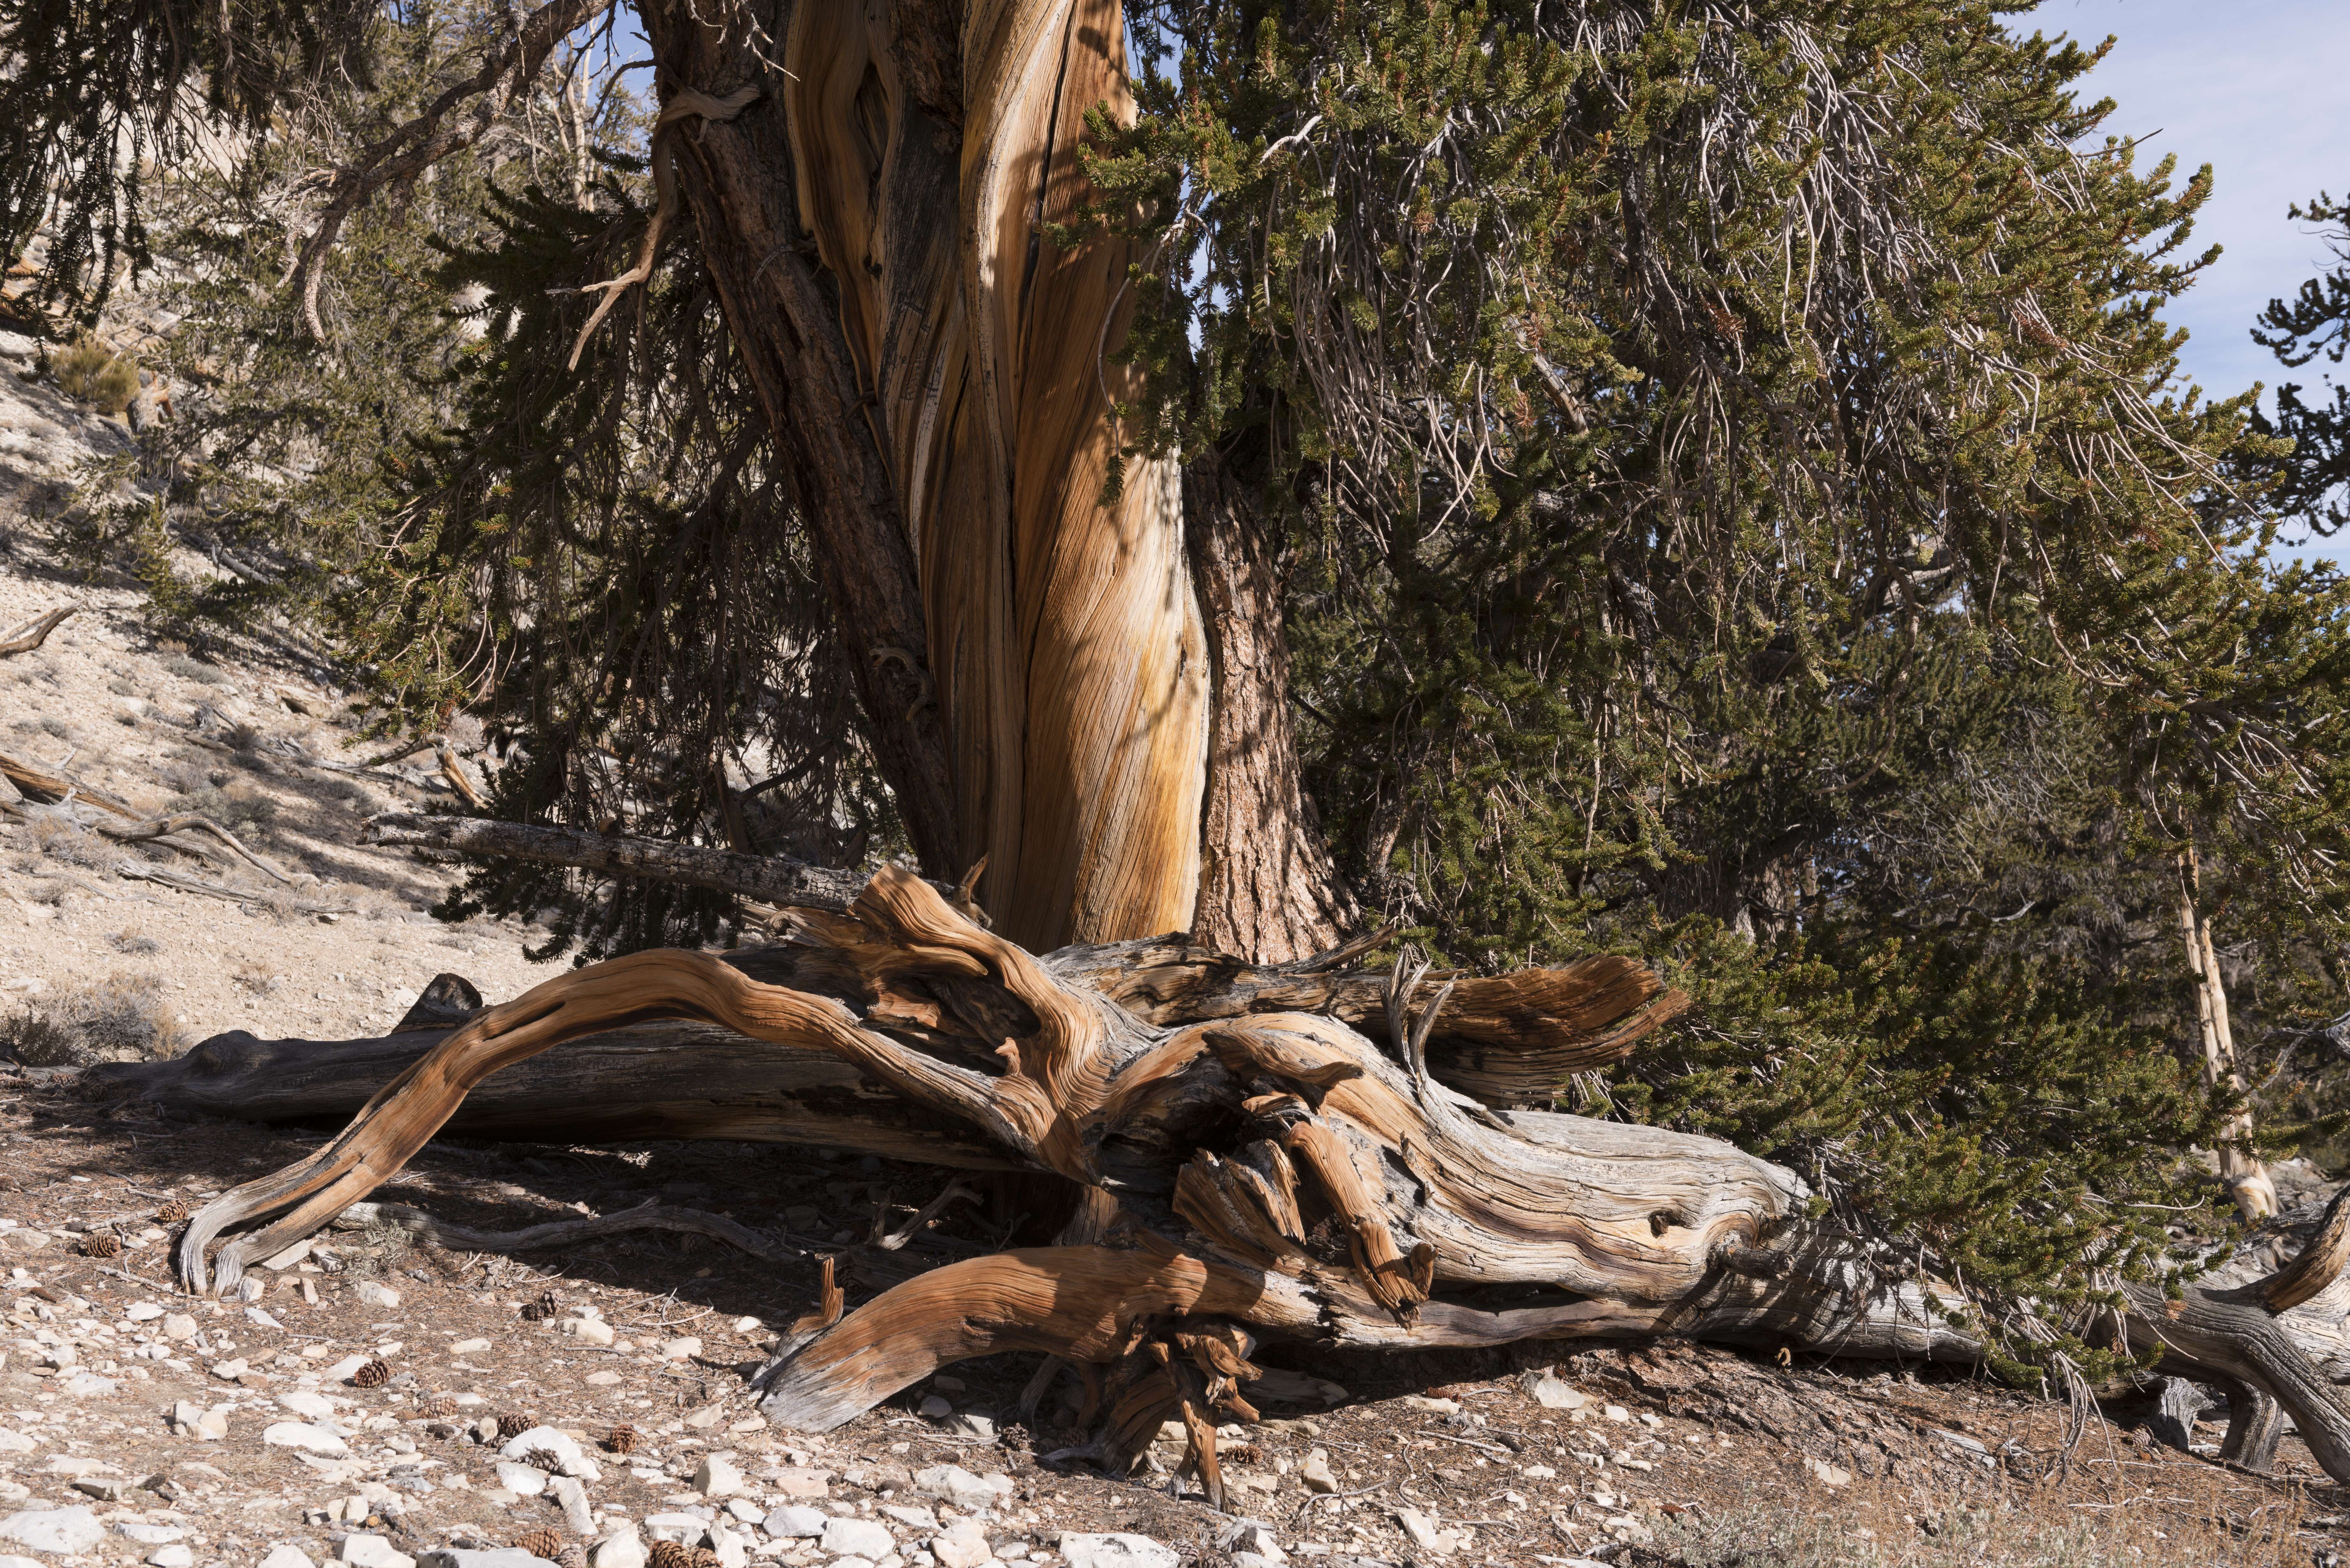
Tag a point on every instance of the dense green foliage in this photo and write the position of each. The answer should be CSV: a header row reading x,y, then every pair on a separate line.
x,y
2315,322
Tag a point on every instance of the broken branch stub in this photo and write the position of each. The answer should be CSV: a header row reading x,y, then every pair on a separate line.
x,y
1247,1175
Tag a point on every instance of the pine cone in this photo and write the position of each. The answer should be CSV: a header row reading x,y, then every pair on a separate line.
x,y
545,1307
623,1439
171,1213
513,1426
546,1460
101,1245
670,1554
439,1406
373,1374
542,1542
572,1555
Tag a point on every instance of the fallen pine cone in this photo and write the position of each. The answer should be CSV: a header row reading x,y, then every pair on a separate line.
x,y
623,1439
545,1307
170,1214
439,1406
542,1542
101,1245
670,1554
513,1426
546,1460
572,1556
374,1374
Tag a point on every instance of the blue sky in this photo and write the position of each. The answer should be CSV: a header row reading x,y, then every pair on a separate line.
x,y
2261,90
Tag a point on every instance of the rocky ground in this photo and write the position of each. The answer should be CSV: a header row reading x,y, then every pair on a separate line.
x,y
379,1401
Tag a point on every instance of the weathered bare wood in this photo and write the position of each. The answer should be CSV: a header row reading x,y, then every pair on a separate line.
x,y
2317,1265
44,785
190,822
34,632
132,870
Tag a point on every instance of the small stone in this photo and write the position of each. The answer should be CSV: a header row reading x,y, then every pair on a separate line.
x,y
142,1312
171,1557
370,1293
15,1442
800,1481
1315,1472
312,1406
1831,1475
562,1444
285,1554
67,1531
1423,1533
567,1491
953,1483
1116,1551
732,1549
179,1327
971,1424
1552,1394
1434,1406
364,1551
911,1518
229,1371
1615,1413
603,1379
522,1480
1256,1541
308,1438
469,1348
796,1522
105,1489
150,1534
593,1331
717,1477
965,1546
622,1549
684,1349
857,1538
460,1557
935,1408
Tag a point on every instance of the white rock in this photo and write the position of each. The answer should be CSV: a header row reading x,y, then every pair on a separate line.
x,y
743,1508
573,1497
1424,1535
1315,1472
150,1534
562,1444
1552,1394
142,1312
310,1439
1435,1406
1615,1413
365,1551
302,1402
797,1522
857,1538
592,1330
953,1483
688,1528
935,1408
286,1556
67,1532
1832,1475
179,1327
732,1550
1119,1551
171,1557
798,1480
498,1557
911,1518
10,1560
229,1371
343,1371
965,1546
373,1294
15,1442
522,1480
469,1348
718,1477
622,1548
684,1349
1255,1540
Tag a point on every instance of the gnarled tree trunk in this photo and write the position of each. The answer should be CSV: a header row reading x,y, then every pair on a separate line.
x,y
1254,1164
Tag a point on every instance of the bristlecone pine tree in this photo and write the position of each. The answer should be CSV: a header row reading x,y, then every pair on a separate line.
x,y
1450,282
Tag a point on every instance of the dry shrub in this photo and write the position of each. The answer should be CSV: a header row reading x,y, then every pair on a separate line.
x,y
61,840
132,940
90,372
122,1018
240,808
254,976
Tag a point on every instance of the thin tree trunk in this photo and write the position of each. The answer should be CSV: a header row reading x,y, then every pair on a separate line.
x,y
2241,1169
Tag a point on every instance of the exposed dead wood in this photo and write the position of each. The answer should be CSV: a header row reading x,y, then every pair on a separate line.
x,y
44,784
2317,1265
454,772
132,870
649,1215
34,632
190,822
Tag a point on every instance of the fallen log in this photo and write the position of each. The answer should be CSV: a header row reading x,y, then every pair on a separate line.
x,y
1244,1176
33,633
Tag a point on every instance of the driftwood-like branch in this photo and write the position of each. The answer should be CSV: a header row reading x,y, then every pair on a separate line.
x,y
649,1215
190,822
44,784
131,871
33,633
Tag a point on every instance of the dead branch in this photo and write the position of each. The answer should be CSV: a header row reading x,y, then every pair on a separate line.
x,y
133,871
34,632
43,784
189,822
